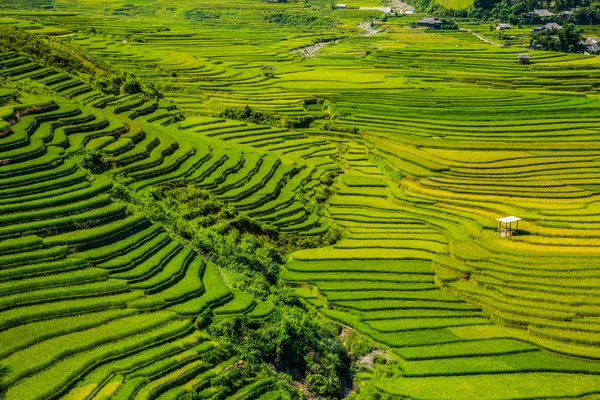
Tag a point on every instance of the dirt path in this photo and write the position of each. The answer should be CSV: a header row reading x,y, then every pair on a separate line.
x,y
368,29
480,36
310,50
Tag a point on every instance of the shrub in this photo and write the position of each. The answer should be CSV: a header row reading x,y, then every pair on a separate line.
x,y
295,341
329,126
568,39
46,50
448,25
266,118
131,85
357,344
197,14
297,19
94,162
219,231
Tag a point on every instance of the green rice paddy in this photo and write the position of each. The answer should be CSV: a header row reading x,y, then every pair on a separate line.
x,y
430,136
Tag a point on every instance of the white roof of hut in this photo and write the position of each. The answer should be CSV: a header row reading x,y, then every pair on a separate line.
x,y
508,220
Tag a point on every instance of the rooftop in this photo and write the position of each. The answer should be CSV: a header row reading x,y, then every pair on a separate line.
x,y
552,25
508,220
542,12
592,48
430,20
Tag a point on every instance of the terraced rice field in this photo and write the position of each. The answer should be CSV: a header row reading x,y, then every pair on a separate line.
x,y
384,279
434,135
97,299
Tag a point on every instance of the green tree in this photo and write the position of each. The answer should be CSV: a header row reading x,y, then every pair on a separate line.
x,y
484,4
546,39
110,84
295,341
46,50
448,24
569,38
131,85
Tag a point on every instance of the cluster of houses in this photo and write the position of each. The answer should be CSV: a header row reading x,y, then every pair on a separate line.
x,y
591,44
549,26
540,13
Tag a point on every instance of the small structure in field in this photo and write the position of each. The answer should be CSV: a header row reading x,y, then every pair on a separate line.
x,y
523,58
341,6
542,12
592,45
552,25
505,228
430,22
501,27
268,70
547,27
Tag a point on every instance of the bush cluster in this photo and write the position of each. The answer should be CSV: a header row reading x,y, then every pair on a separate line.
x,y
265,118
68,58
295,341
298,19
48,51
94,162
329,126
568,39
231,239
197,14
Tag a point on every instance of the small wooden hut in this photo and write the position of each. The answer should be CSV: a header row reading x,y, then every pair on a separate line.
x,y
505,226
523,58
268,70
429,22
